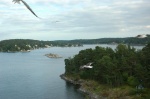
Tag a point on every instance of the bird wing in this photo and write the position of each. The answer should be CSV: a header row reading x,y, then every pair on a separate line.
x,y
88,64
16,1
28,7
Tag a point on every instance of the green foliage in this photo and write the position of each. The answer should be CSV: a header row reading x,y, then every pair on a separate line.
x,y
128,40
15,45
132,81
122,66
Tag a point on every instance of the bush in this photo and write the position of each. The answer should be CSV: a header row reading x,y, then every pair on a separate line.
x,y
132,81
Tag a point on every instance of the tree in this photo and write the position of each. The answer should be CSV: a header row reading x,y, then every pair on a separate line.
x,y
124,65
145,61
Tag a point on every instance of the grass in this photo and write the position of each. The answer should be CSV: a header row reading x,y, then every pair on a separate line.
x,y
122,92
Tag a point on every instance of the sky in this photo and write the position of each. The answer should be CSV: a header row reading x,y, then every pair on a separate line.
x,y
74,19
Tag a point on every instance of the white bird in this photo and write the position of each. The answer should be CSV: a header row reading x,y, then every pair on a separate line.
x,y
18,1
141,36
88,66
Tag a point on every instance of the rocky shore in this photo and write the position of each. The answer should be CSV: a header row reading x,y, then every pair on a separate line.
x,y
82,89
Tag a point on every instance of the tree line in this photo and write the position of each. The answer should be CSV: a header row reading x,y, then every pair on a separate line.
x,y
127,40
28,44
14,45
123,66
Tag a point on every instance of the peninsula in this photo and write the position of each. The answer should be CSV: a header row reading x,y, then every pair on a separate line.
x,y
122,73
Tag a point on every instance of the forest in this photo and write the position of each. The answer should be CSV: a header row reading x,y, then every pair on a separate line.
x,y
126,40
15,45
123,66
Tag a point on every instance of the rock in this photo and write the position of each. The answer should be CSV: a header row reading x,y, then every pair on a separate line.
x,y
50,55
82,89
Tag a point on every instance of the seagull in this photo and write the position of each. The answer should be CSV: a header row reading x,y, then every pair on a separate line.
x,y
18,1
88,66
141,36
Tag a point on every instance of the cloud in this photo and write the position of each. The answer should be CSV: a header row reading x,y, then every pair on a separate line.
x,y
72,19
148,26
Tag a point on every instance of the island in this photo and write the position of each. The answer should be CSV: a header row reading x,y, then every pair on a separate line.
x,y
122,73
27,45
50,55
136,40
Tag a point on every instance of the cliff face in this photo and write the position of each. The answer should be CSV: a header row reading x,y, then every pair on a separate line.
x,y
94,90
82,89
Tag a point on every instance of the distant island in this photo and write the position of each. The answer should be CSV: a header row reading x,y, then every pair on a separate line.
x,y
137,40
50,55
26,45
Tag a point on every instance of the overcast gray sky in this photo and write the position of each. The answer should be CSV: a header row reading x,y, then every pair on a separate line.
x,y
74,19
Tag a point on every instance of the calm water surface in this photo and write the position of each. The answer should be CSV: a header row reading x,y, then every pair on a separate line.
x,y
34,76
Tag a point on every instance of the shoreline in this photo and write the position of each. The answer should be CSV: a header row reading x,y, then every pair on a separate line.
x,y
86,88
81,88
